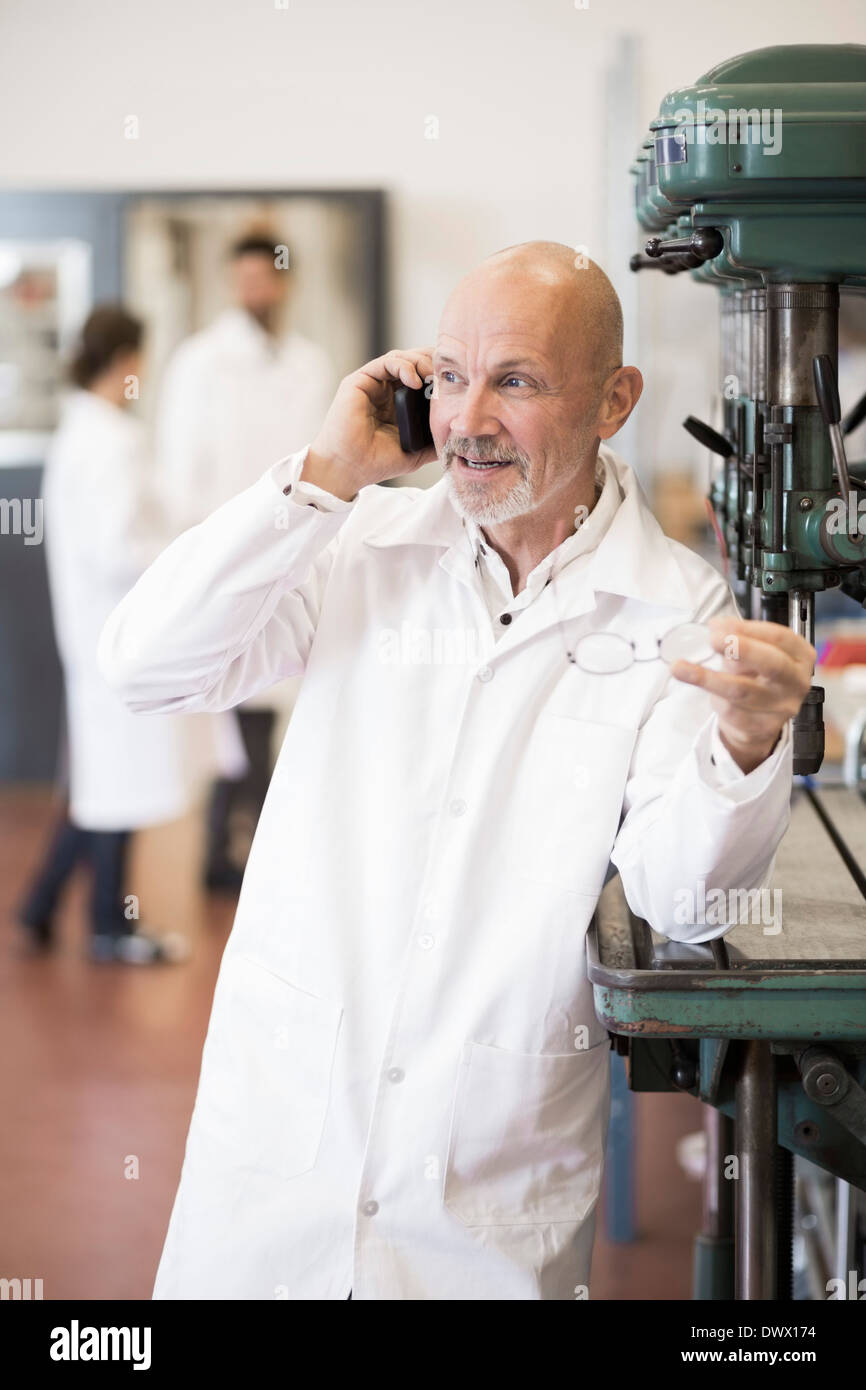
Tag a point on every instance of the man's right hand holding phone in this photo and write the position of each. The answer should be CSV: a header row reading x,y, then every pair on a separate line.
x,y
359,442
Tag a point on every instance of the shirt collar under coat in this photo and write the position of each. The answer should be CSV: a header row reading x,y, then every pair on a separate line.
x,y
586,537
633,558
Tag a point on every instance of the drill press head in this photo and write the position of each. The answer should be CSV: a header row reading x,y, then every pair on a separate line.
x,y
753,180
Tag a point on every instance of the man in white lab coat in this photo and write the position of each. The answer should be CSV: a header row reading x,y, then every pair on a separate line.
x,y
404,1086
234,397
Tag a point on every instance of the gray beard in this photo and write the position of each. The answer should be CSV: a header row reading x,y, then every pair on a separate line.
x,y
517,502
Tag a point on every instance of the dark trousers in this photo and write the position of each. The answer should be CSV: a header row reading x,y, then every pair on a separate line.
x,y
235,806
105,852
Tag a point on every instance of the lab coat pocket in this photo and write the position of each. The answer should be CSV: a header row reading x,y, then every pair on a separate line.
x,y
570,800
527,1135
266,1070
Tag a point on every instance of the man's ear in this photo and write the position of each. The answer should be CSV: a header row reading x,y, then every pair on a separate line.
x,y
621,394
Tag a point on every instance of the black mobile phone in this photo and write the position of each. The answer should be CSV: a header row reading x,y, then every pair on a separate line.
x,y
412,408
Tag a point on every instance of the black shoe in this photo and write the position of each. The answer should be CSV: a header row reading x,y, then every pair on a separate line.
x,y
224,878
39,935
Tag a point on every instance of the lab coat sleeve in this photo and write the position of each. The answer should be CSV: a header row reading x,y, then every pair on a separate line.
x,y
231,606
693,821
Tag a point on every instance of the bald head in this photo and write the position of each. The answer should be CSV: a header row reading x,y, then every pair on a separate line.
x,y
589,305
569,292
528,374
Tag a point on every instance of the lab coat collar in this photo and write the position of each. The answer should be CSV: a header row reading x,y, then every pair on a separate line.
x,y
81,404
634,558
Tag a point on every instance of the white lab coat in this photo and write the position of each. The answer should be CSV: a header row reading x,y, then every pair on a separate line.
x,y
102,529
404,1088
232,400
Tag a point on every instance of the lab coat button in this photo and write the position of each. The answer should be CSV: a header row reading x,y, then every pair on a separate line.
x,y
485,674
370,1208
458,807
396,1074
426,941
581,775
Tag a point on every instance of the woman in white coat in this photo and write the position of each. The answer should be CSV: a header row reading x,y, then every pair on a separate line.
x,y
102,529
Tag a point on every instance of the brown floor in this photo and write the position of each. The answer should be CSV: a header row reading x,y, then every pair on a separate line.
x,y
98,1075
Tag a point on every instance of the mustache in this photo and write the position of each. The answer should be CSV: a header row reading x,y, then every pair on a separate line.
x,y
485,451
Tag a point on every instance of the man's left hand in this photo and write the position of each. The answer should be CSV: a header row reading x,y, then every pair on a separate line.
x,y
765,676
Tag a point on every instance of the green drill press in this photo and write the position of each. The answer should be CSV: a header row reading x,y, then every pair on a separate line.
x,y
753,180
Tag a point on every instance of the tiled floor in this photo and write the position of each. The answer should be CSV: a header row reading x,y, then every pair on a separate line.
x,y
98,1069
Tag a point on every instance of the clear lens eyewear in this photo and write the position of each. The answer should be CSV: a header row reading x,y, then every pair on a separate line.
x,y
601,653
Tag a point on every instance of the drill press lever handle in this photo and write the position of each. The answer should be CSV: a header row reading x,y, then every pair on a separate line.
x,y
827,389
706,435
704,244
827,393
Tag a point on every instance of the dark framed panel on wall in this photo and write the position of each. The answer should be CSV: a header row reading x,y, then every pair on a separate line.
x,y
162,253
175,248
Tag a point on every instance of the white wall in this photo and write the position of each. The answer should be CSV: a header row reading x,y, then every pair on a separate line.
x,y
240,93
